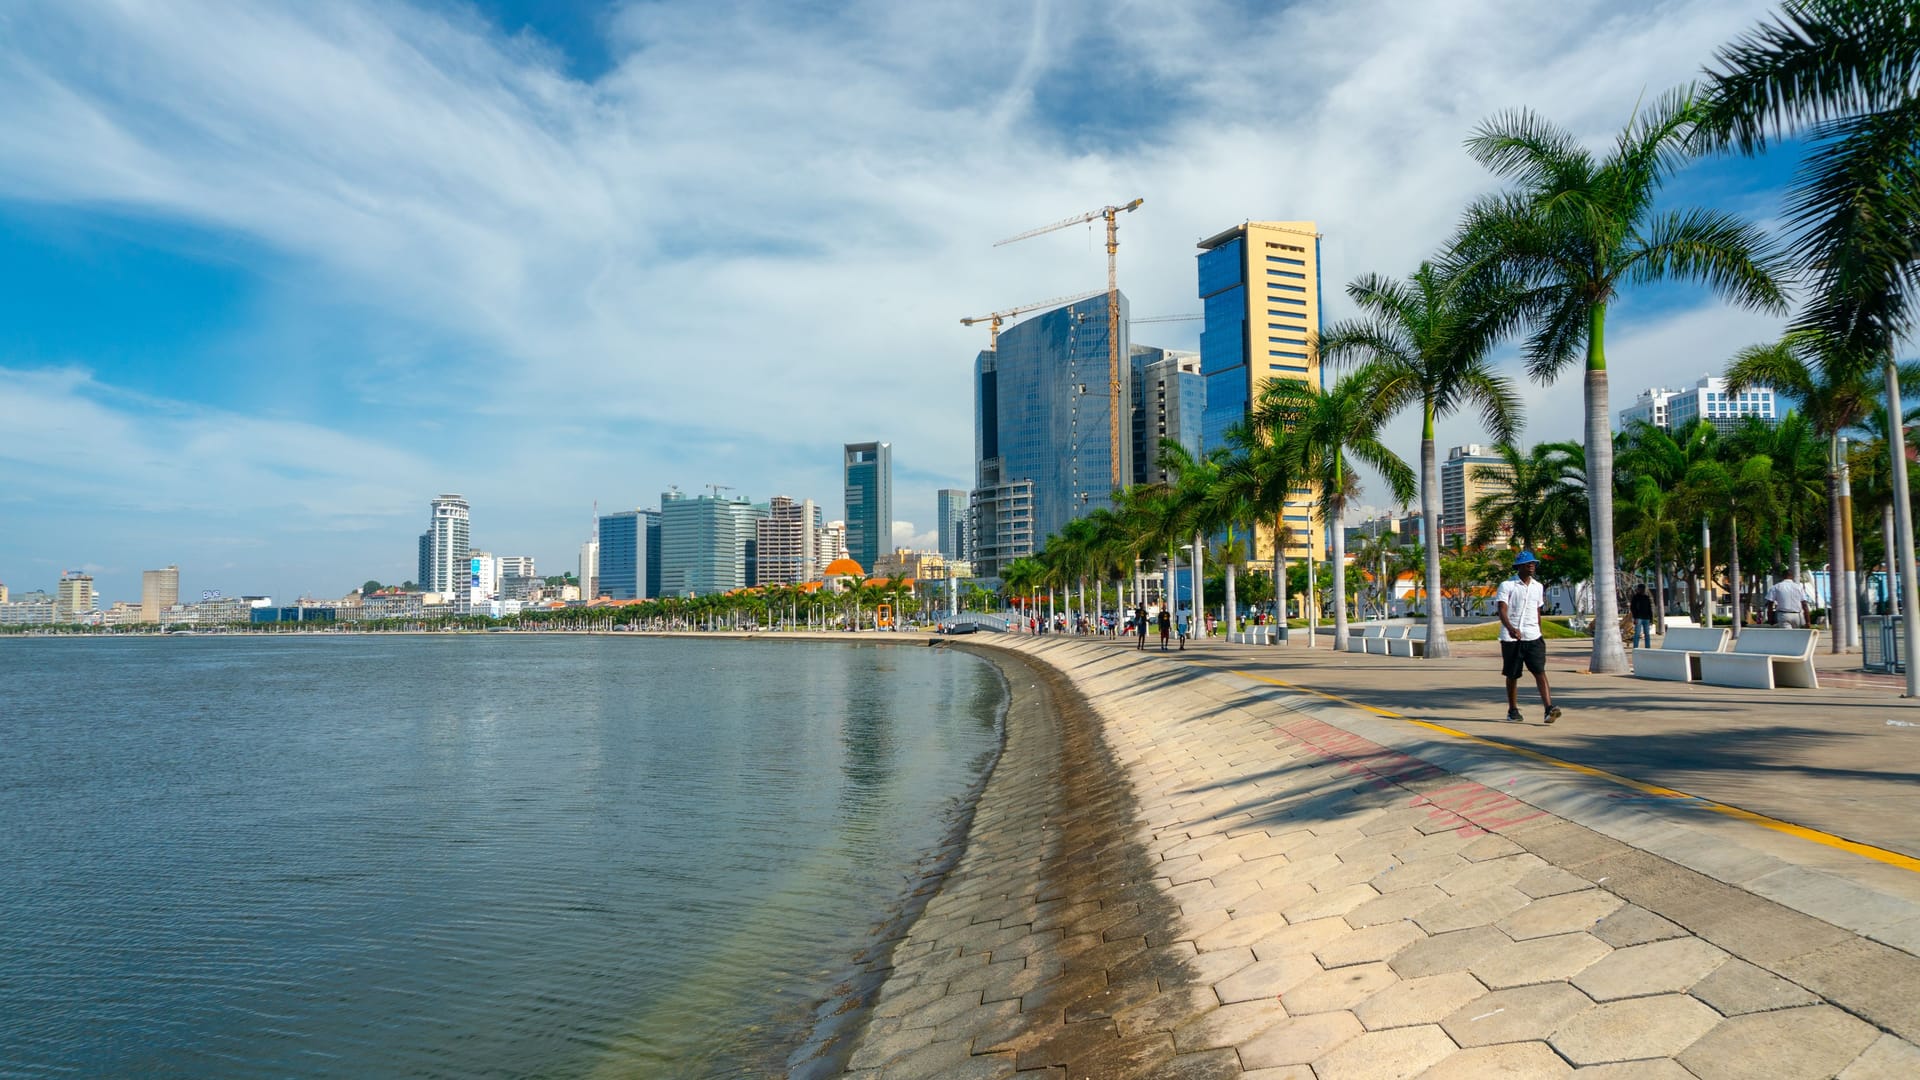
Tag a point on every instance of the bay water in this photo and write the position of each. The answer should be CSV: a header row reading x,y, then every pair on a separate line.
x,y
460,855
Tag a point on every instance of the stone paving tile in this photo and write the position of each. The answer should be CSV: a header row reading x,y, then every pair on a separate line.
x,y
1484,876
1560,914
1426,1000
1341,988
1737,987
1810,1043
1407,875
1328,904
1456,951
1300,939
1386,1055
1299,1041
1395,906
1166,1011
1634,925
1866,978
1647,1069
1507,1061
1659,967
1267,978
1369,945
1636,1028
1888,1058
1229,1025
1551,881
1517,1015
1481,907
1240,931
1223,1064
1283,1072
1538,960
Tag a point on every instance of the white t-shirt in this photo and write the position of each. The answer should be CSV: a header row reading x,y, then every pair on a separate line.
x,y
1787,596
1524,602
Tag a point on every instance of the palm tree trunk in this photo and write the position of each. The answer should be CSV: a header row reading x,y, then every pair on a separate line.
x,y
1733,568
1338,557
1851,628
1280,574
1609,653
1836,603
1233,598
1886,544
1793,558
1659,591
1199,586
1430,517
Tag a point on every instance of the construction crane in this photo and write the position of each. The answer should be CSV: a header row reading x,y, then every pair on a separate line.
x,y
993,337
1164,318
1111,214
718,488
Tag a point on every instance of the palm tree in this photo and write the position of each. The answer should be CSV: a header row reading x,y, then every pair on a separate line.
x,y
1328,430
1574,232
1846,73
1735,490
1262,478
1830,387
1534,497
1194,477
1430,339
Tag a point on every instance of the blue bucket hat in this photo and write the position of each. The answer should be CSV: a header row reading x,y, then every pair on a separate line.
x,y
1525,558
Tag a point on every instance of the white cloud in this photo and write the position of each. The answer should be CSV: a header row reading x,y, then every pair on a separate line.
x,y
758,232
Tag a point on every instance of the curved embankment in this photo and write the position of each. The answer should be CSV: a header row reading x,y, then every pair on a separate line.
x,y
1172,873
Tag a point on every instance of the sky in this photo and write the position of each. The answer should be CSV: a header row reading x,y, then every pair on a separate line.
x,y
273,275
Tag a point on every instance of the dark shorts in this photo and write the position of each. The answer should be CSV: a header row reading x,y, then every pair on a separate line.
x,y
1531,655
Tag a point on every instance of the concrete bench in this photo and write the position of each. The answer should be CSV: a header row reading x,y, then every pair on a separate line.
x,y
1388,635
1358,637
1414,644
1765,659
1678,657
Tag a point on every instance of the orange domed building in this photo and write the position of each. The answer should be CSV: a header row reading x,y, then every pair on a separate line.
x,y
840,570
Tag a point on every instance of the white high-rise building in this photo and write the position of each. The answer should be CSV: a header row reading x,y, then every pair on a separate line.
x,y
832,546
159,590
590,570
483,578
788,549
444,566
1707,400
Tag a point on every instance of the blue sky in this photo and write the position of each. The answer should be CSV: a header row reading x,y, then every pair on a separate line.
x,y
271,276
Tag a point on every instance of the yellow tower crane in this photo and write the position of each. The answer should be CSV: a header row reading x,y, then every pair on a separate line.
x,y
993,335
1111,214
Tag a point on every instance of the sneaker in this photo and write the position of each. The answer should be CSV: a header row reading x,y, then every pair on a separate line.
x,y
1553,713
1514,717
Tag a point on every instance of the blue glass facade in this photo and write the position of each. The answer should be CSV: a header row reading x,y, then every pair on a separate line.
x,y
1169,401
1223,340
1043,414
625,554
869,491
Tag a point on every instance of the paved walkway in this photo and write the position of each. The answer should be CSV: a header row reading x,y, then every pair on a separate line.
x,y
1200,864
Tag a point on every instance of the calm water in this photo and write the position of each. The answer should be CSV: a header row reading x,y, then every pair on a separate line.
x,y
458,856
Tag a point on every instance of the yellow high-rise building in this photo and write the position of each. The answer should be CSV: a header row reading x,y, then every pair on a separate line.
x,y
159,590
1260,291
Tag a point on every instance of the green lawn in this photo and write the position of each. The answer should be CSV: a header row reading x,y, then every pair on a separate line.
x,y
1549,628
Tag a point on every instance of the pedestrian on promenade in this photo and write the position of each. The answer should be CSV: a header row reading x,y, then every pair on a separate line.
x,y
1140,628
1519,602
1641,605
1186,627
1166,628
1787,604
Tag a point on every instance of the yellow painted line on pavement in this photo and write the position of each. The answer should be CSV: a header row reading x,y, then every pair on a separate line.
x,y
1878,854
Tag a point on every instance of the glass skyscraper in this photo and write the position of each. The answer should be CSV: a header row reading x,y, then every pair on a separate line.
x,y
627,552
869,473
950,512
1259,286
1042,439
1169,398
706,544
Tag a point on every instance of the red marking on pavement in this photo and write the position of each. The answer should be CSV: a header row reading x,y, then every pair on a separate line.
x,y
1470,808
1478,808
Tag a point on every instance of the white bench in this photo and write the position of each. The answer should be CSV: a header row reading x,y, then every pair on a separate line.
x,y
1358,637
1678,657
1764,659
1414,644
1388,635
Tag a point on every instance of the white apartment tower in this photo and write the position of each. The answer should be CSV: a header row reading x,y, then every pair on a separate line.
x,y
789,542
444,568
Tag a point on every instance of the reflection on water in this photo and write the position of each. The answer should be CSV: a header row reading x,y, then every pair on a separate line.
x,y
457,856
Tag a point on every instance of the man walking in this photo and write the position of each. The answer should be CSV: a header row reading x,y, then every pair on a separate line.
x,y
1641,606
1519,602
1140,627
1787,604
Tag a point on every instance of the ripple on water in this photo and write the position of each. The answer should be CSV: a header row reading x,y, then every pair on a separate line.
x,y
460,856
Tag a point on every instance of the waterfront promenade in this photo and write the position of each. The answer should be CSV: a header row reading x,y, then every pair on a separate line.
x,y
1276,862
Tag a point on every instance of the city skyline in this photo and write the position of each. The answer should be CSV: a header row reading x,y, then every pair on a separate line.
x,y
253,323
